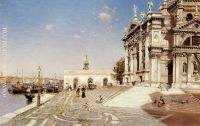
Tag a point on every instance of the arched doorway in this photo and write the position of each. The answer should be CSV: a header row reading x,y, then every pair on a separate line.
x,y
194,41
90,80
170,73
105,81
75,83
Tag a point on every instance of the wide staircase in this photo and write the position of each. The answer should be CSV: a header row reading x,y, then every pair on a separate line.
x,y
107,93
135,97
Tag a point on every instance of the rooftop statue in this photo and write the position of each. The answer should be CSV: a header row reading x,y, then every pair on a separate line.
x,y
150,6
135,17
135,10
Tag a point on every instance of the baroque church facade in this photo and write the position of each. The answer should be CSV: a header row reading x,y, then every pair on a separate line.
x,y
164,47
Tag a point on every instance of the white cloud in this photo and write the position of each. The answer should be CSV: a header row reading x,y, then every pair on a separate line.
x,y
77,36
82,31
49,27
110,28
104,17
106,14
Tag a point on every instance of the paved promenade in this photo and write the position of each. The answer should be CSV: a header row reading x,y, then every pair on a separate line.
x,y
69,110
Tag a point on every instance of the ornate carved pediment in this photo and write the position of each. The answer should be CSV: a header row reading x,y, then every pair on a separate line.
x,y
190,26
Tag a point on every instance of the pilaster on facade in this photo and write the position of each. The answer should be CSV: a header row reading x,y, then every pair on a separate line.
x,y
177,70
190,69
179,15
131,63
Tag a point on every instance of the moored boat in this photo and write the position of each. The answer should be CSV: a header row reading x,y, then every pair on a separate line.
x,y
29,96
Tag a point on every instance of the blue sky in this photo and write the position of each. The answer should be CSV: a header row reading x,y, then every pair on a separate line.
x,y
56,34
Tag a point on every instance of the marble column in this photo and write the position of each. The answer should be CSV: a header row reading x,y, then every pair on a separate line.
x,y
131,63
158,69
190,69
155,68
174,70
131,67
177,72
147,61
126,61
140,56
135,66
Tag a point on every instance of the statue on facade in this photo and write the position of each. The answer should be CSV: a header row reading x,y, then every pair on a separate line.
x,y
135,18
142,16
150,6
135,10
164,2
86,64
196,12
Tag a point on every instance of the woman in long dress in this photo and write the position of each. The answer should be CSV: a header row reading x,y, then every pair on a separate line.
x,y
83,92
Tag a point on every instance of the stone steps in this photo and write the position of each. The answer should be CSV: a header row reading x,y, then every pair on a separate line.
x,y
135,97
106,93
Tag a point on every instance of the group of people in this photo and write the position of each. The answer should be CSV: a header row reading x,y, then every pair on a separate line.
x,y
82,90
160,102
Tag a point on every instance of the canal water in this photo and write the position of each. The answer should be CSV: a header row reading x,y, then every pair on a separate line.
x,y
10,102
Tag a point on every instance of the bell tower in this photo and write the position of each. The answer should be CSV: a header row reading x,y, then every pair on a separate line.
x,y
86,63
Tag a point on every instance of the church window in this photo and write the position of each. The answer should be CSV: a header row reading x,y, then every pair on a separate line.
x,y
189,17
184,67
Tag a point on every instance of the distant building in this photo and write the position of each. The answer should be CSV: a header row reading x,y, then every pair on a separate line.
x,y
164,47
85,76
3,51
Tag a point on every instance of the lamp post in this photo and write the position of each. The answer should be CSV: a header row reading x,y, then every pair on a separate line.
x,y
39,83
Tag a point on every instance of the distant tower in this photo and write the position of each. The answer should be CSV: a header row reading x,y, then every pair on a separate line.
x,y
86,63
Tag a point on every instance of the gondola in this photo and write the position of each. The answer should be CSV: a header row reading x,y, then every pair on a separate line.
x,y
15,90
29,96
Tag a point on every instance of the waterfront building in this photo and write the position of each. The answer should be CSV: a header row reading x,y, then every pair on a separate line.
x,y
163,47
85,76
3,51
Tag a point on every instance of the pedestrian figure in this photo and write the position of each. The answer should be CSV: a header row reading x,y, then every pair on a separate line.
x,y
28,90
86,106
100,99
70,87
83,92
78,92
161,102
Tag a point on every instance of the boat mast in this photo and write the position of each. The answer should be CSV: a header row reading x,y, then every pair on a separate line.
x,y
22,76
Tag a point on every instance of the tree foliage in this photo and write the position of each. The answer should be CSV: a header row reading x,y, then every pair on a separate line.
x,y
119,70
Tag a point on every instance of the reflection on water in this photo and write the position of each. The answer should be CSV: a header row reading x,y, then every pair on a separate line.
x,y
10,102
